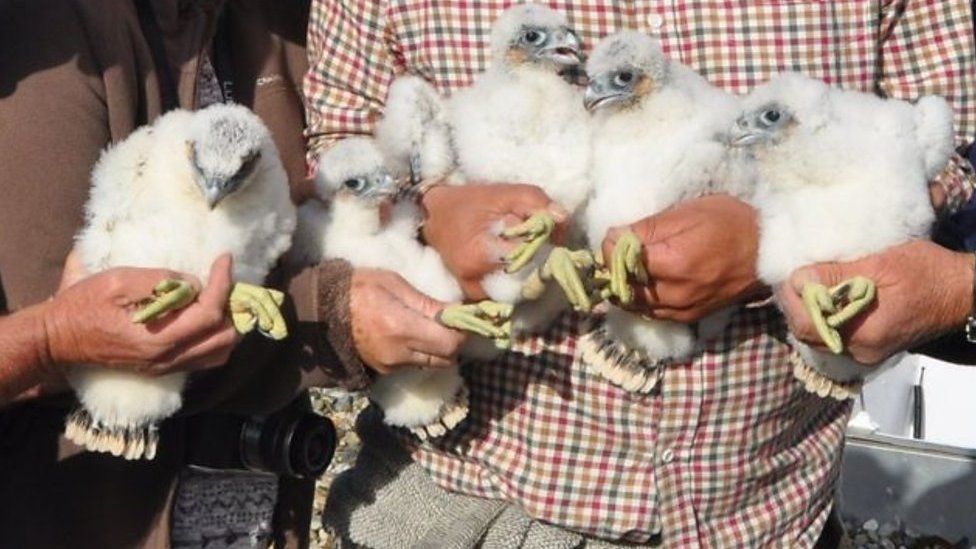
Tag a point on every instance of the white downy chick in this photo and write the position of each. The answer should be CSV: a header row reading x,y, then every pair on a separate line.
x,y
842,174
361,222
656,142
414,133
522,122
176,195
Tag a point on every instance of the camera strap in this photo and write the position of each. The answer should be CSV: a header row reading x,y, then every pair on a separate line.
x,y
154,37
221,58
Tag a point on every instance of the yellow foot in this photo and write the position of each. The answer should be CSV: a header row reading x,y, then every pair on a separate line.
x,y
564,266
488,319
258,307
534,232
169,295
842,303
626,264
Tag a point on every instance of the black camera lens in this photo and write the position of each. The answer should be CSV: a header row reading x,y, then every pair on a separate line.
x,y
312,445
296,445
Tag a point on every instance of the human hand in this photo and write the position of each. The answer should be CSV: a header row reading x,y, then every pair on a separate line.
x,y
700,256
89,321
394,326
923,291
462,224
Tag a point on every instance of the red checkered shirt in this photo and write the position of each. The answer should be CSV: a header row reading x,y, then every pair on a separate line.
x,y
729,451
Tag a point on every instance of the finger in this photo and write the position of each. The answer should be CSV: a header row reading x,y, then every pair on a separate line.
x,y
524,200
209,351
414,300
134,285
219,283
206,314
828,274
430,337
420,359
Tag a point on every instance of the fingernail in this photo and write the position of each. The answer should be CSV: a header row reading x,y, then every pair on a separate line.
x,y
558,212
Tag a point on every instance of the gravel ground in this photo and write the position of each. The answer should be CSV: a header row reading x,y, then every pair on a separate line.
x,y
873,534
342,407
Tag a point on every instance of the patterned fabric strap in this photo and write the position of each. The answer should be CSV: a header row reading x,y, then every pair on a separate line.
x,y
223,509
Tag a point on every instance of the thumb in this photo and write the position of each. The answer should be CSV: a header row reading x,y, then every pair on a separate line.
x,y
525,200
416,300
828,274
219,282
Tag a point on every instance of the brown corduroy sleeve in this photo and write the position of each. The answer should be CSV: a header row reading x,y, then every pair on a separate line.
x,y
321,298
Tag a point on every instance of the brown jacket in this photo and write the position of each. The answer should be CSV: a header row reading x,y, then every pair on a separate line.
x,y
76,75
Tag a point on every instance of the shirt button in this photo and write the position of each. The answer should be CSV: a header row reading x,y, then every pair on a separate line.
x,y
655,21
667,456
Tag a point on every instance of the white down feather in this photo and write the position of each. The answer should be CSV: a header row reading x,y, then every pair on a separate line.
x,y
146,211
850,179
651,155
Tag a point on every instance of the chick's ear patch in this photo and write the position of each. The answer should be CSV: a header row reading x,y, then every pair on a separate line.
x,y
516,55
645,86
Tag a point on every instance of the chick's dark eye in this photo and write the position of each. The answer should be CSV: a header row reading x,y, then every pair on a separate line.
x,y
247,164
771,116
354,184
534,36
623,78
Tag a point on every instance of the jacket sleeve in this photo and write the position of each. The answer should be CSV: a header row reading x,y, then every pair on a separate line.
x,y
352,58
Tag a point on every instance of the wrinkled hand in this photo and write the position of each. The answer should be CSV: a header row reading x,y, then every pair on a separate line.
x,y
700,256
89,321
923,291
394,326
462,222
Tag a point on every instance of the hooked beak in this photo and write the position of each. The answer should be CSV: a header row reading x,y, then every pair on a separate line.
x,y
598,95
385,186
565,49
213,194
745,133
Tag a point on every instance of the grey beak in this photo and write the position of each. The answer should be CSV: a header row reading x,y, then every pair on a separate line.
x,y
565,49
213,196
599,95
385,186
744,133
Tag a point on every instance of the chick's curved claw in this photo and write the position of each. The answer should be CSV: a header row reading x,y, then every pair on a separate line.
x,y
535,232
258,307
169,295
626,264
841,302
489,319
564,266
856,294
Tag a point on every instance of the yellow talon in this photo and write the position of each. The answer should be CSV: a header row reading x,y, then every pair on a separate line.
x,y
488,319
535,231
169,295
564,266
257,307
842,302
627,263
